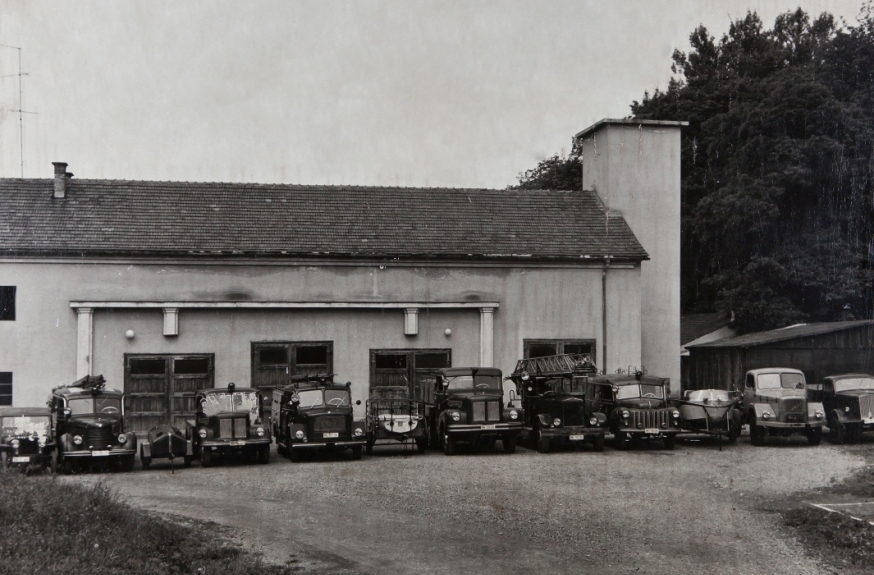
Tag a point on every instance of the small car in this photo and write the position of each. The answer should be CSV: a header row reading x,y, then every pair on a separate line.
x,y
848,401
166,442
26,440
711,412
776,404
229,422
90,426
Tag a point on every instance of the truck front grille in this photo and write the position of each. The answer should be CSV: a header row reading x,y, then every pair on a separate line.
x,y
866,405
232,428
325,423
650,418
792,404
28,447
99,437
486,411
494,411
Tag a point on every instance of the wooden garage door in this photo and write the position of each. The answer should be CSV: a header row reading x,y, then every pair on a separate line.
x,y
412,368
160,388
274,363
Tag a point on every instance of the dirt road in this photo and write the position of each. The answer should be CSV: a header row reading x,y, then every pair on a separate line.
x,y
692,510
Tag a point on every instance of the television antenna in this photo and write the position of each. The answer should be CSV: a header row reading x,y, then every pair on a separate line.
x,y
21,111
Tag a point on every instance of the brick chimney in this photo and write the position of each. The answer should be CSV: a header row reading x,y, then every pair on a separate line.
x,y
61,177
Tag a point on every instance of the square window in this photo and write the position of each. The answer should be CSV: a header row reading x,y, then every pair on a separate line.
x,y
7,303
310,355
5,388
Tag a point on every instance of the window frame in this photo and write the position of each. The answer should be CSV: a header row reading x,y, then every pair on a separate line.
x,y
8,295
560,344
4,376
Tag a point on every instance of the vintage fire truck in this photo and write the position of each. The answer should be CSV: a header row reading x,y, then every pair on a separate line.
x,y
315,414
558,402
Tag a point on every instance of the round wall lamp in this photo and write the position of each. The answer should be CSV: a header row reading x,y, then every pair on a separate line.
x,y
129,334
448,332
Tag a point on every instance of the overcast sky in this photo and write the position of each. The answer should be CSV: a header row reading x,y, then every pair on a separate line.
x,y
422,93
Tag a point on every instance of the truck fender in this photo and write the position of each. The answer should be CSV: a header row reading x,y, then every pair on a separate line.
x,y
189,448
838,414
544,419
760,409
66,442
146,448
130,440
813,408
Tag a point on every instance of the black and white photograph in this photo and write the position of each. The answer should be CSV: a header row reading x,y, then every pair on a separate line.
x,y
357,287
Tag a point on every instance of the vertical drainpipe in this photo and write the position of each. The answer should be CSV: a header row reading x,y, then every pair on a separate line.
x,y
604,311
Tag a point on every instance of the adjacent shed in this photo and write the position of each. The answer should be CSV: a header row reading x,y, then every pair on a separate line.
x,y
817,349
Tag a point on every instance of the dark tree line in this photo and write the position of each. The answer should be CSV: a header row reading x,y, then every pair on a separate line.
x,y
778,168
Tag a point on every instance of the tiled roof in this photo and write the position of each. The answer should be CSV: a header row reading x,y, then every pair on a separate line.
x,y
786,333
695,325
110,217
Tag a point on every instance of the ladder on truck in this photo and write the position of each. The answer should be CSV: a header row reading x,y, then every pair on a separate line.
x,y
575,363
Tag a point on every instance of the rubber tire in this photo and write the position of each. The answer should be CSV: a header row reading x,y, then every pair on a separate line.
x,y
296,455
421,445
621,441
206,458
757,435
449,446
369,447
543,443
127,462
733,431
598,443
70,467
264,454
147,461
186,461
814,436
837,431
356,453
855,435
509,444
670,441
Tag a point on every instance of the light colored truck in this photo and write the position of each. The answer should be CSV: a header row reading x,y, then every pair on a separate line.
x,y
775,403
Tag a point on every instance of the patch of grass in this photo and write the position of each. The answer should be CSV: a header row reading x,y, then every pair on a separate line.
x,y
49,527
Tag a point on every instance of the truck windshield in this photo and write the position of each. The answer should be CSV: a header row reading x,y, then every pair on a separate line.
x,y
25,425
237,402
337,397
780,380
480,382
311,398
642,390
98,404
852,383
567,385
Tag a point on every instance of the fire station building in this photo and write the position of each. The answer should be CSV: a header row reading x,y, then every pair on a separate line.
x,y
169,287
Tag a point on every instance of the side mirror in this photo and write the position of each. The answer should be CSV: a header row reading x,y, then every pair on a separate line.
x,y
357,402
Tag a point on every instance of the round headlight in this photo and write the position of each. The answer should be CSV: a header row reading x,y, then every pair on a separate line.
x,y
298,434
593,421
818,414
514,414
625,414
77,439
202,433
676,414
766,415
122,438
358,432
847,409
14,443
259,432
556,422
455,416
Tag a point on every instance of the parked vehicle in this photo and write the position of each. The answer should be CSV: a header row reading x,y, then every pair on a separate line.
x,y
558,402
637,408
26,440
229,422
714,412
848,402
314,413
467,407
90,426
391,415
775,403
166,442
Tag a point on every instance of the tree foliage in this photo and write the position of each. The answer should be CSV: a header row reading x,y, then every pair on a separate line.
x,y
777,168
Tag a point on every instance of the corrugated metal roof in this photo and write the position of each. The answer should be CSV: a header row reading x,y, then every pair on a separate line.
x,y
785,333
110,217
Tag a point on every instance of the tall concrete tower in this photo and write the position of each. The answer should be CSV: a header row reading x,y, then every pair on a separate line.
x,y
634,166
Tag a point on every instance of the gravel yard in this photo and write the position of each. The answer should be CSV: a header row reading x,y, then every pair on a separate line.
x,y
691,510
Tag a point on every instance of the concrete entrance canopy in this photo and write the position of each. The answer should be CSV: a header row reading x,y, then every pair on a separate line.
x,y
172,309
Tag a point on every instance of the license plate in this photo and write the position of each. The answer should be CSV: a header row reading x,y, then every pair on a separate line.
x,y
868,421
238,443
331,435
100,453
489,427
651,431
21,460
577,437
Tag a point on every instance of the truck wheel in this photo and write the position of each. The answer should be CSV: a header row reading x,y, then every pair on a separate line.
x,y
356,452
449,446
733,431
186,461
543,443
369,446
206,458
509,443
757,434
147,461
854,433
127,462
70,466
264,454
837,431
621,441
421,444
598,443
670,442
814,436
296,455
